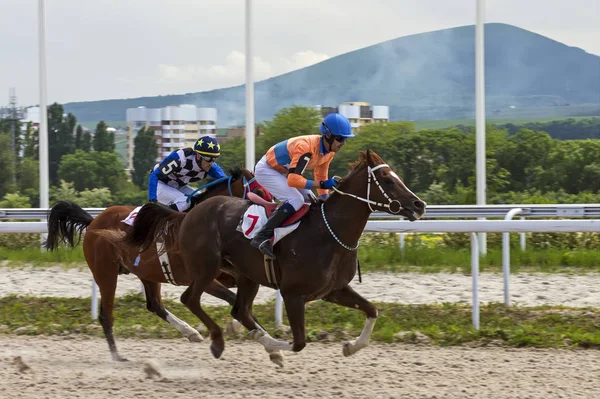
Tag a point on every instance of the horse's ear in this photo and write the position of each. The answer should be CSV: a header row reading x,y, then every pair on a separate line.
x,y
370,160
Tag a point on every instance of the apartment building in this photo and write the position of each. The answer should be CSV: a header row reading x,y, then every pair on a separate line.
x,y
174,126
359,113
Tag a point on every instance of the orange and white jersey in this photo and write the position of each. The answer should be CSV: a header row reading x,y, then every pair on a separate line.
x,y
285,155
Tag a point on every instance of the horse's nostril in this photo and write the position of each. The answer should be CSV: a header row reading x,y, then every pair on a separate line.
x,y
419,204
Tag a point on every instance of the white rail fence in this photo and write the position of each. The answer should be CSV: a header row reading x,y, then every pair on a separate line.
x,y
423,226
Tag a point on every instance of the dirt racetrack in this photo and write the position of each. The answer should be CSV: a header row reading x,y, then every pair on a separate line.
x,y
79,367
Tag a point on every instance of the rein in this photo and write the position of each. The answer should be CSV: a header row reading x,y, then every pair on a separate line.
x,y
368,200
229,179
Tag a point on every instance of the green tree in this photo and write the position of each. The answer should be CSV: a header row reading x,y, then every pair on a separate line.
x,y
15,200
79,138
287,123
88,170
95,198
7,167
144,157
61,138
103,141
86,141
233,153
30,145
63,192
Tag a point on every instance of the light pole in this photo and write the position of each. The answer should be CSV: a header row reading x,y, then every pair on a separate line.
x,y
43,127
480,114
249,91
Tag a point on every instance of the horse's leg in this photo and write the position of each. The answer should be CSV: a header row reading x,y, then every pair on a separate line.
x,y
242,311
106,276
191,299
294,306
154,304
218,290
351,299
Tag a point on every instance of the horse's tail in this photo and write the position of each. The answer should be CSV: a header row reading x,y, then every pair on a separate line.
x,y
155,222
65,220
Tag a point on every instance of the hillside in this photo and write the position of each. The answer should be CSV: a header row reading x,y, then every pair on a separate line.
x,y
423,76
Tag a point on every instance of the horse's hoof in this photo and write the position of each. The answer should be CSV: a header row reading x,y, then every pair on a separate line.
x,y
347,349
277,358
216,351
118,358
195,338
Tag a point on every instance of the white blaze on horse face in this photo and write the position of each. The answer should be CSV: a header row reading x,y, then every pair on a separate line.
x,y
401,182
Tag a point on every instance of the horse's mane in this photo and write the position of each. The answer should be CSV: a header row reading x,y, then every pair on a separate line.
x,y
354,167
235,172
362,160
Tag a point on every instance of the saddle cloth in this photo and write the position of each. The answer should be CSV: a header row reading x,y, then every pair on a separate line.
x,y
165,263
130,219
256,217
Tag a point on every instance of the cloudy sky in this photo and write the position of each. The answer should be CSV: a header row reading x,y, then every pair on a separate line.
x,y
101,49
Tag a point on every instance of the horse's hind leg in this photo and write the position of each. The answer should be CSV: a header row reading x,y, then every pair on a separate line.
x,y
242,311
191,298
106,274
351,299
154,304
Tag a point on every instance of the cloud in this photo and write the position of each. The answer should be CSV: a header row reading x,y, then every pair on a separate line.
x,y
302,59
231,72
193,77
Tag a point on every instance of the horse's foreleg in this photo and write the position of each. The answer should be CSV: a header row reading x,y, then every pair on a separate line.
x,y
351,299
154,304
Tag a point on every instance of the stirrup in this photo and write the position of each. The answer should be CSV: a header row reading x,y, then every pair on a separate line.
x,y
266,247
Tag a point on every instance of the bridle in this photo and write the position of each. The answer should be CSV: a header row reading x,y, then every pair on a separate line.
x,y
372,178
247,184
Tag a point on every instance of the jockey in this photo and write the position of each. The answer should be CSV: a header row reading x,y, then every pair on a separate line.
x,y
280,171
168,182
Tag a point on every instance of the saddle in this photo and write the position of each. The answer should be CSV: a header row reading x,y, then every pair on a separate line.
x,y
270,207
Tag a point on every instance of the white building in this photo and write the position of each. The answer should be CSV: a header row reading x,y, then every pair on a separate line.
x,y
174,126
359,113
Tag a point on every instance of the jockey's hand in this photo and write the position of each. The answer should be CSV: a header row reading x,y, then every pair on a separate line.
x,y
329,183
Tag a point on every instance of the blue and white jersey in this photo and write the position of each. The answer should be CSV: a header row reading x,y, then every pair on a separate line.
x,y
179,169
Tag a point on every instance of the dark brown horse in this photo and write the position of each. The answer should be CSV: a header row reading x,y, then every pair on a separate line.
x,y
66,219
316,261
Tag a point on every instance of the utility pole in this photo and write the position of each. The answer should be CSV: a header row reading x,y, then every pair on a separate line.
x,y
15,114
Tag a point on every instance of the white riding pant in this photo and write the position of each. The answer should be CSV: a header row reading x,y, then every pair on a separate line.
x,y
277,185
168,195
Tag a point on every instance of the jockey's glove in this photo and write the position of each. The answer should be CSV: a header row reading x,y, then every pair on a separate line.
x,y
329,183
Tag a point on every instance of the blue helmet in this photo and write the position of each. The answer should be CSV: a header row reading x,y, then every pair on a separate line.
x,y
207,146
337,125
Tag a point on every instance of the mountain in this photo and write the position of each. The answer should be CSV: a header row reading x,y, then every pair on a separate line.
x,y
423,76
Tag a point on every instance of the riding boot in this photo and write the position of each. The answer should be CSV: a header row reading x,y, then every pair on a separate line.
x,y
262,239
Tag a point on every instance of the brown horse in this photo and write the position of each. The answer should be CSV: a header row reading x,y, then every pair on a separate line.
x,y
316,261
66,219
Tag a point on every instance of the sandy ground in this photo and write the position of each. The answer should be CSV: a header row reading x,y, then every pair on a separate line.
x,y
57,367
80,367
526,289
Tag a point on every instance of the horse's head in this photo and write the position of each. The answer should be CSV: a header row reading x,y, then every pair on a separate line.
x,y
382,188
